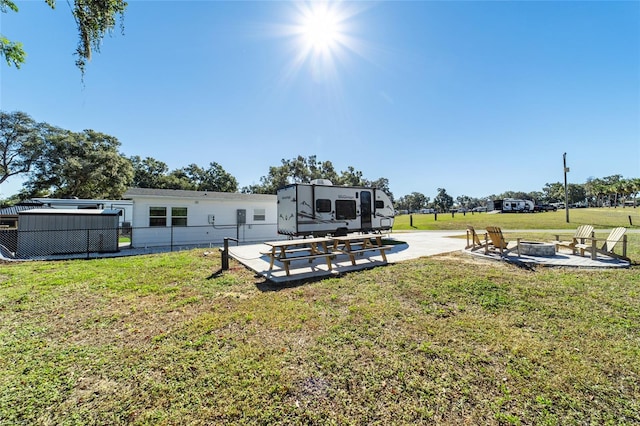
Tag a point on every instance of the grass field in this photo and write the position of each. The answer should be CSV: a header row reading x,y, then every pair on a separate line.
x,y
601,218
163,339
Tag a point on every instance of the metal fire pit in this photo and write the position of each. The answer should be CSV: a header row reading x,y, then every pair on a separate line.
x,y
533,248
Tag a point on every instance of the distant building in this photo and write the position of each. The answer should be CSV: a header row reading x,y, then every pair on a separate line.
x,y
9,215
125,206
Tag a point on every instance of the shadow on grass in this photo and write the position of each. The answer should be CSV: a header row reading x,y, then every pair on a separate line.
x,y
268,285
216,274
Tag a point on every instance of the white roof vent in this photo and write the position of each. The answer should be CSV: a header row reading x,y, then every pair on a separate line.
x,y
325,182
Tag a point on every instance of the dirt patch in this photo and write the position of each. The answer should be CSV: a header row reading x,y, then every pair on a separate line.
x,y
463,258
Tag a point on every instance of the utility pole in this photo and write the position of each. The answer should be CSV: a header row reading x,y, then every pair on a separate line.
x,y
566,191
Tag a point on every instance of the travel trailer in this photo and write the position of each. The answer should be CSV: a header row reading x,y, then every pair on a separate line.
x,y
320,208
512,205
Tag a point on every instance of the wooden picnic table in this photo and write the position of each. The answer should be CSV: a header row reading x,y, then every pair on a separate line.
x,y
359,244
286,251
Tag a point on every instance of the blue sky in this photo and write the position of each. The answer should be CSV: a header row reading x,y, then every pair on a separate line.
x,y
474,97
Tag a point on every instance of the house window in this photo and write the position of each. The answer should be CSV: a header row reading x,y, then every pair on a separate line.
x,y
345,209
259,215
157,216
178,216
323,206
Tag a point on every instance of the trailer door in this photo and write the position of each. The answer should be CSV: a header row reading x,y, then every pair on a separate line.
x,y
365,210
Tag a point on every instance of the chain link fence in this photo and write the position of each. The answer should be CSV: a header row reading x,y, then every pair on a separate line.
x,y
52,244
43,244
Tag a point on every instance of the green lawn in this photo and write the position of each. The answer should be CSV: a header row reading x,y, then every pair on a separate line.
x,y
600,218
163,339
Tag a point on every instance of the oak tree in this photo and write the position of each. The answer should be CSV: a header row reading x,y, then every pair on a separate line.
x,y
20,144
82,165
94,19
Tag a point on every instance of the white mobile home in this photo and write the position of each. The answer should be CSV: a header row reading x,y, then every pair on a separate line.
x,y
320,208
178,217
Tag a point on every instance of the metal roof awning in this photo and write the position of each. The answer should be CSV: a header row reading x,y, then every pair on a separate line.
x,y
74,212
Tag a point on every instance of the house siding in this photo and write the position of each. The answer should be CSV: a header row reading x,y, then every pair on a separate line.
x,y
200,205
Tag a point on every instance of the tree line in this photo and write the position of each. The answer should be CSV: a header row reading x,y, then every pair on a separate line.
x,y
596,192
60,163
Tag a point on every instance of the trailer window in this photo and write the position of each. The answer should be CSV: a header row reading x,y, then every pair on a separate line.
x,y
323,206
178,216
157,216
345,209
379,204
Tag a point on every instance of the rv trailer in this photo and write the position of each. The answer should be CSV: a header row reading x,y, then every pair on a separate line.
x,y
320,208
512,205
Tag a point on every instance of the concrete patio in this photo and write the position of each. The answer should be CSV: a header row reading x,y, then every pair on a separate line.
x,y
407,245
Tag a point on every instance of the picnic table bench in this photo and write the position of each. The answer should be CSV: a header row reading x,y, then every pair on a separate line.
x,y
352,245
286,251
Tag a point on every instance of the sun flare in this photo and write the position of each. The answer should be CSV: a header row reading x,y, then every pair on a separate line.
x,y
322,32
320,28
324,39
